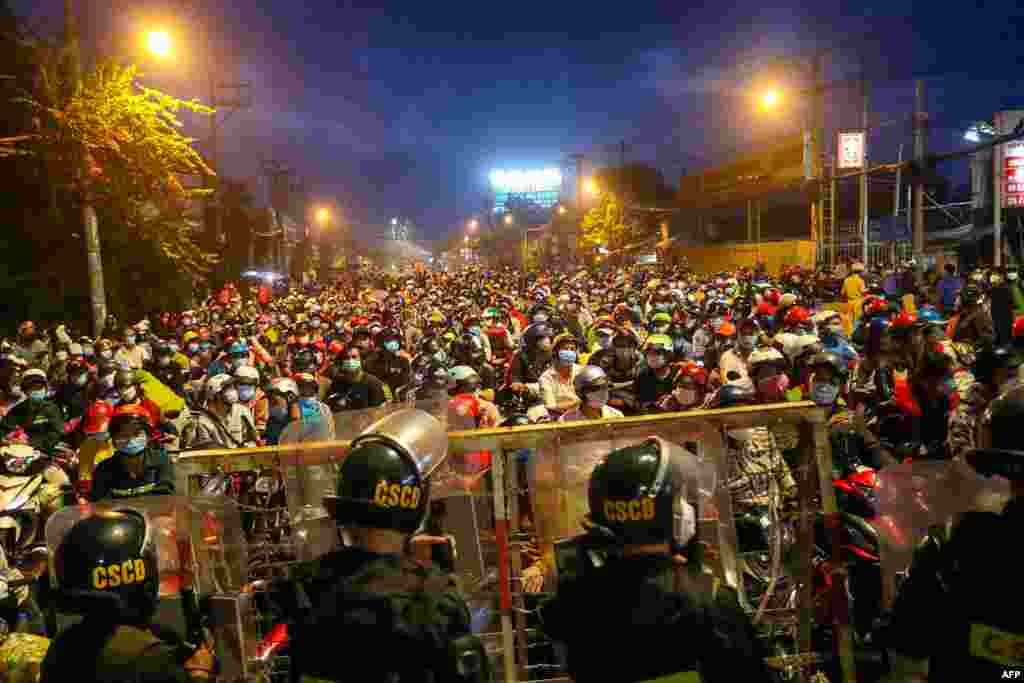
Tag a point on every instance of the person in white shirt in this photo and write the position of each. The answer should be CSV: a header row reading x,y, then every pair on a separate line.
x,y
591,385
556,383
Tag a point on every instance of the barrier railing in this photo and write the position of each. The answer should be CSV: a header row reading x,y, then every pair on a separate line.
x,y
507,495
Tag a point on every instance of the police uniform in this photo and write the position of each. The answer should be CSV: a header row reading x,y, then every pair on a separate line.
x,y
643,617
112,478
398,622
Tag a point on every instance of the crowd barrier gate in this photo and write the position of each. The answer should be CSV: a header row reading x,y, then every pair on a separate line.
x,y
482,498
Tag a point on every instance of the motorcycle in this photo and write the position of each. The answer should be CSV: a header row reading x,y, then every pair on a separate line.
x,y
32,486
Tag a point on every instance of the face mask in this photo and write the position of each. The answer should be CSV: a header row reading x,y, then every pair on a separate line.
x,y
391,346
107,381
215,317
660,329
662,307
567,357
37,395
239,363
163,361
88,351
61,355
597,399
315,323
441,356
246,392
130,341
134,446
279,413
106,355
230,395
129,394
352,364
79,380
192,348
771,390
1012,277
824,393
748,341
475,331
544,344
685,397
99,436
540,318
187,322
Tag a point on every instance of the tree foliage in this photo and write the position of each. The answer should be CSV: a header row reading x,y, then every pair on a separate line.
x,y
118,145
604,225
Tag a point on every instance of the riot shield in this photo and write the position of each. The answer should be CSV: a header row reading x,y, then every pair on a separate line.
x,y
200,548
558,475
913,497
309,474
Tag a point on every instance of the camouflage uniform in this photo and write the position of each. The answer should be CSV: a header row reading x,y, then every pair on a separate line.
x,y
968,409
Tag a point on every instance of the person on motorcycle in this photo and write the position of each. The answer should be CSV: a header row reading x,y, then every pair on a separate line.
x,y
601,338
73,395
37,416
467,350
733,364
283,408
689,391
164,368
592,386
471,324
833,336
388,363
131,354
994,371
497,330
533,359
768,374
465,391
657,378
961,567
973,322
354,388
130,392
140,465
223,422
250,395
117,640
642,581
556,383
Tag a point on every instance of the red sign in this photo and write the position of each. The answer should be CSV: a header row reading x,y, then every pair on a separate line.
x,y
1013,175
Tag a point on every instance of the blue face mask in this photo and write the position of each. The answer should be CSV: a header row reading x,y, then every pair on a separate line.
x,y
391,346
37,395
130,341
475,331
134,446
567,357
99,436
246,392
192,348
824,394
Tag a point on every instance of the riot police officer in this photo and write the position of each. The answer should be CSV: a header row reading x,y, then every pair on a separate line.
x,y
958,615
400,622
656,617
106,570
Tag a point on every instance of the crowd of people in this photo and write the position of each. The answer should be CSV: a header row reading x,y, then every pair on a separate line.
x,y
904,363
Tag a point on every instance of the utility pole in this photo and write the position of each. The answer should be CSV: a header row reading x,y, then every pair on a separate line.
x,y
90,222
997,201
864,187
920,119
816,134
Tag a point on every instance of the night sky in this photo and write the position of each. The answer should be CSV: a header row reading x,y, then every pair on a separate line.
x,y
404,110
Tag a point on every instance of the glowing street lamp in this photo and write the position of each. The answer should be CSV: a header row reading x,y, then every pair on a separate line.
x,y
473,224
323,216
590,187
771,99
508,219
159,43
466,239
561,210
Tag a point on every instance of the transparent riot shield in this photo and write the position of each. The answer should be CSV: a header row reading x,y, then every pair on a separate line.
x,y
558,474
308,464
913,497
200,548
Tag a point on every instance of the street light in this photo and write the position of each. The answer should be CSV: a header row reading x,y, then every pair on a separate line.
x,y
561,210
473,224
466,239
508,219
323,216
159,43
770,99
590,187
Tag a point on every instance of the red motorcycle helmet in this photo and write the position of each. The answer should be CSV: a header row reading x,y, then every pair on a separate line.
x,y
903,323
97,418
798,315
1018,328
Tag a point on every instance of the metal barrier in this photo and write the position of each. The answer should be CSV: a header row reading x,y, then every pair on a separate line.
x,y
497,482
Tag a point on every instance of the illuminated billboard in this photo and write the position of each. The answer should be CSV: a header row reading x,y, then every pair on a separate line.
x,y
540,187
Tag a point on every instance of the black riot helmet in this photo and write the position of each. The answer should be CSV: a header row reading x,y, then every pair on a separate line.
x,y
638,493
107,564
999,450
383,480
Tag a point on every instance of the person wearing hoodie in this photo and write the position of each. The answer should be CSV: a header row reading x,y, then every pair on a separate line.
x,y
38,416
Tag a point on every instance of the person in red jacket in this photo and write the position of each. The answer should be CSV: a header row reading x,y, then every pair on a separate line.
x,y
130,391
